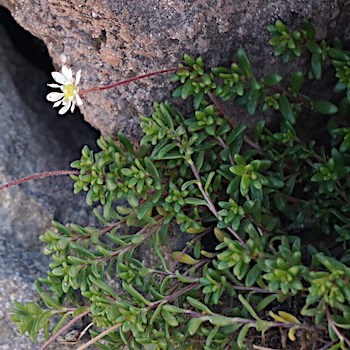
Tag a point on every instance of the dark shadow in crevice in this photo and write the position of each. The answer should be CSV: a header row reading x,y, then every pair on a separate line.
x,y
31,79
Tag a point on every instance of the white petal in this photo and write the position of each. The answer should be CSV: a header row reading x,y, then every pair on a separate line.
x,y
78,100
54,96
54,85
56,104
58,77
73,107
77,77
67,73
64,109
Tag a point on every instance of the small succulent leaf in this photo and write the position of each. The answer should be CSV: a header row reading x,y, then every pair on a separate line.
x,y
325,107
184,258
244,62
286,109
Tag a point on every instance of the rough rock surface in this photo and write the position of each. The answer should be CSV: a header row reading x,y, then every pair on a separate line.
x,y
32,139
114,39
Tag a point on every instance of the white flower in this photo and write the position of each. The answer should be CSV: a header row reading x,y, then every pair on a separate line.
x,y
69,96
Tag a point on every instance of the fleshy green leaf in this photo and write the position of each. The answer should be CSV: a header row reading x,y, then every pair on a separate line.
x,y
325,107
286,109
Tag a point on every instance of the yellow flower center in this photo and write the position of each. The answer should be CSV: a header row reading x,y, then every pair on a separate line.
x,y
69,91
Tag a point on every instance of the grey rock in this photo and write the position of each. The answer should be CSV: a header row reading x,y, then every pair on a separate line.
x,y
33,139
112,40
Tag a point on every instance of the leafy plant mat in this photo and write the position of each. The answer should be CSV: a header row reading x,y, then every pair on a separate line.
x,y
265,215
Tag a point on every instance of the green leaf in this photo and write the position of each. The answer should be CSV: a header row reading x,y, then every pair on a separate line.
x,y
190,61
238,170
338,54
213,176
259,128
61,228
244,185
339,87
248,306
272,29
89,198
198,100
253,99
286,109
150,167
144,209
195,201
280,26
184,258
233,186
187,89
242,335
82,251
314,48
134,292
244,62
132,200
200,306
33,308
177,92
125,141
113,312
164,108
316,66
169,318
173,308
275,182
236,133
193,325
219,320
272,79
325,107
50,302
63,243
166,149
156,314
102,285
297,81
265,302
61,322
252,275
310,30
43,320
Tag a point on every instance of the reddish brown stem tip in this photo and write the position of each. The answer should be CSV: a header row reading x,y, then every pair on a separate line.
x,y
38,176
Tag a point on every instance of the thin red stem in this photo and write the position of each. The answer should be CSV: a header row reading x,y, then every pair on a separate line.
x,y
39,176
139,77
63,329
211,205
340,335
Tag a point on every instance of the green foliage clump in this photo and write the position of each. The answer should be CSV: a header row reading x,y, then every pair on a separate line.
x,y
254,208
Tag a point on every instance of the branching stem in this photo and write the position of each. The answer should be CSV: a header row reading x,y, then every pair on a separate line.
x,y
98,337
173,296
340,335
63,329
210,203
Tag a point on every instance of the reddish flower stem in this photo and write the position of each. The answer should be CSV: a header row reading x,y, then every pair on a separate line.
x,y
123,82
39,176
100,336
63,329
